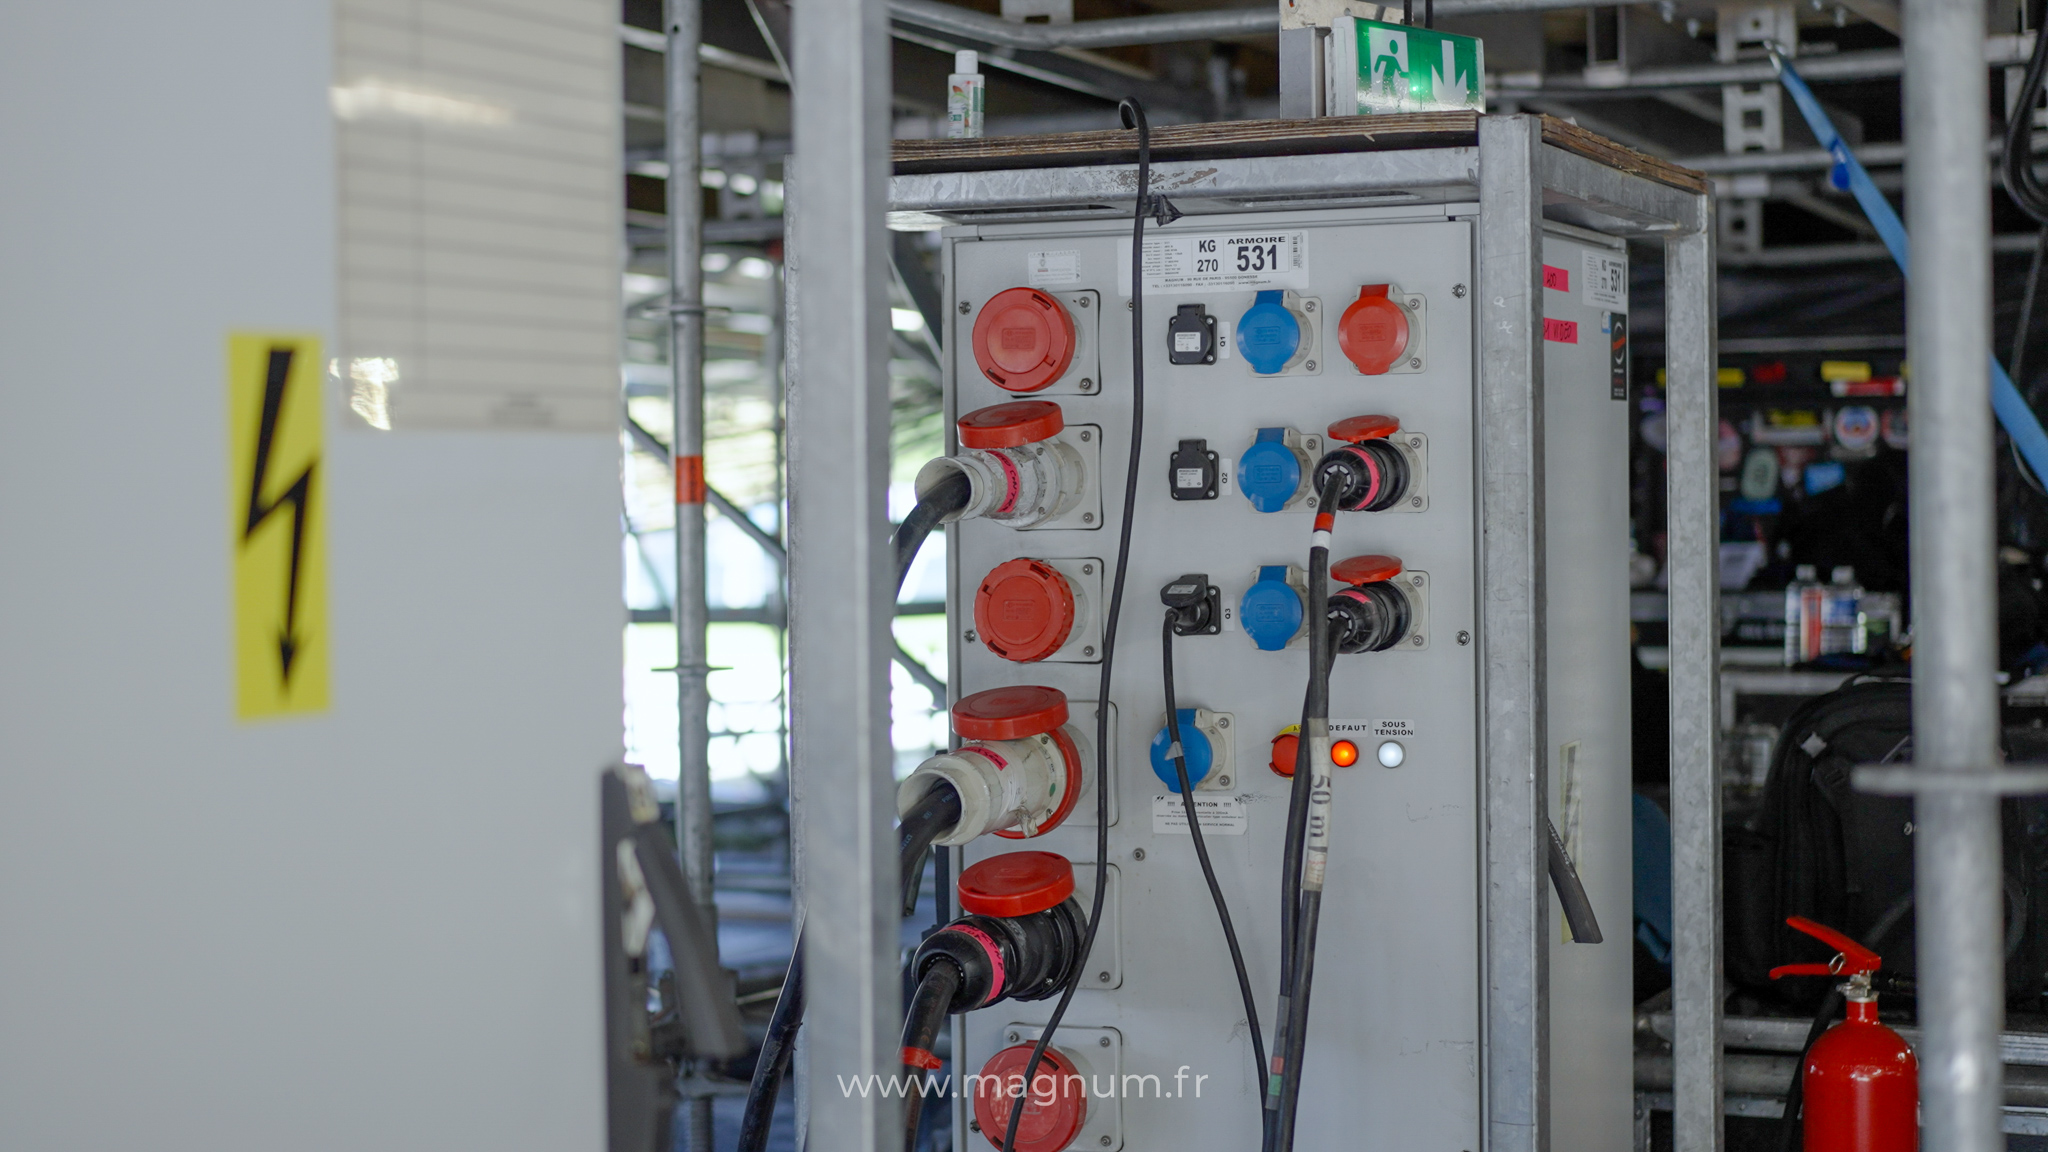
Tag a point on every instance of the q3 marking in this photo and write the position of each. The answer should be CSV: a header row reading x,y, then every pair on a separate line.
x,y
278,518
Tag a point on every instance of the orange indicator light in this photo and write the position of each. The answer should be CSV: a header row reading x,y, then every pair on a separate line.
x,y
1343,753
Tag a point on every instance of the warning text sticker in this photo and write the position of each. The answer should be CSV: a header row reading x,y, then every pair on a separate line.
x,y
1221,815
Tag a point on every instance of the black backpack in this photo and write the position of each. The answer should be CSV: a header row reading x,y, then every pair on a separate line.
x,y
1823,850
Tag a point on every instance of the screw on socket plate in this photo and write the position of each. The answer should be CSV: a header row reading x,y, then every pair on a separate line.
x,y
1102,977
1086,436
1087,385
1102,1042
965,307
1137,853
1416,639
1464,638
1013,1037
1087,517
1458,290
1309,365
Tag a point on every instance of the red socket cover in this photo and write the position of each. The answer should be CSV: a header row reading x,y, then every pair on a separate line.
x,y
1055,1108
1374,331
1023,339
1024,610
1016,884
1366,569
1010,713
1011,425
1359,429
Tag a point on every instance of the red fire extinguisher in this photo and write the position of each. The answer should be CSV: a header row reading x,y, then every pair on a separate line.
x,y
1860,1080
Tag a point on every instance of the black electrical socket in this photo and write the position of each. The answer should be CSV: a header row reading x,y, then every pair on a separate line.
x,y
1191,336
1191,474
1197,605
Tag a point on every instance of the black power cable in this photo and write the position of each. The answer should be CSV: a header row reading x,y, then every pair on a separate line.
x,y
2017,164
1301,903
946,497
933,817
1187,799
1133,114
921,1023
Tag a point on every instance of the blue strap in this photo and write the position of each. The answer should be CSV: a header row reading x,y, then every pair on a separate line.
x,y
2006,402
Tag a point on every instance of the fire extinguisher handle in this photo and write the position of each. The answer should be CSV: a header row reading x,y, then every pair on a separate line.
x,y
1851,959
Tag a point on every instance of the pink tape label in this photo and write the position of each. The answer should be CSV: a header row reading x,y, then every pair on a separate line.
x,y
1561,331
995,958
1556,279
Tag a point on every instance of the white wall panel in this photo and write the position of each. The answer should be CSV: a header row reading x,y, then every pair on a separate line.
x,y
369,929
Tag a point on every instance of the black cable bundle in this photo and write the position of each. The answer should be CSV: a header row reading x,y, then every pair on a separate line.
x,y
1133,114
1300,911
938,812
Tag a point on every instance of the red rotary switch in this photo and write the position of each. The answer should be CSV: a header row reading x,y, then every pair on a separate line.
x,y
1024,339
1011,425
1024,610
1286,746
1366,569
1010,713
1374,331
1055,1108
1016,884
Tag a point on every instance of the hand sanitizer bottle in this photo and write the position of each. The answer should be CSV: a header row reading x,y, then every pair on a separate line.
x,y
964,90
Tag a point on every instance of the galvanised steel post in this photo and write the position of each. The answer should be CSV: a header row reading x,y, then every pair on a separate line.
x,y
842,589
683,26
1692,561
686,363
1955,702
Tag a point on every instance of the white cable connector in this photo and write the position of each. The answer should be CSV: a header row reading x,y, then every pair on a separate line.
x,y
1021,487
1022,787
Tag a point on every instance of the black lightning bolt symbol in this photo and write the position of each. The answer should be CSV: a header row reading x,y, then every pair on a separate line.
x,y
297,495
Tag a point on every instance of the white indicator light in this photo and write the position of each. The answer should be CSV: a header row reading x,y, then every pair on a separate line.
x,y
1391,754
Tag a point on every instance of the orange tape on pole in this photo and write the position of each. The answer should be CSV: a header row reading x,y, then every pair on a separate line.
x,y
689,479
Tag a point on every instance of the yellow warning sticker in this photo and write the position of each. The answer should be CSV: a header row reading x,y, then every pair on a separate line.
x,y
278,520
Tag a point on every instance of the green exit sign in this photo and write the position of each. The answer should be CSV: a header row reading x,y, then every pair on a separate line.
x,y
1378,68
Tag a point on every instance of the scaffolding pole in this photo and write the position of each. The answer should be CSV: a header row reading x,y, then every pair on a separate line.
x,y
683,27
1955,701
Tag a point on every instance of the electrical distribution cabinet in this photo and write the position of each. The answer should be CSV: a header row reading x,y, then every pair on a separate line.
x,y
1376,309
1393,1052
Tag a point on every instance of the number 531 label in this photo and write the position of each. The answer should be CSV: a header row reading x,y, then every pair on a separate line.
x,y
1243,260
